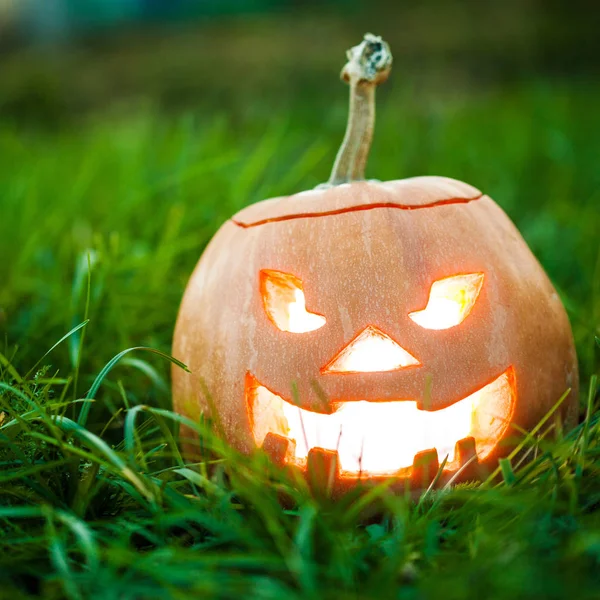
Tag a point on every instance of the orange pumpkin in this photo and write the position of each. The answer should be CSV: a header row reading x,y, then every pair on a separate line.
x,y
373,329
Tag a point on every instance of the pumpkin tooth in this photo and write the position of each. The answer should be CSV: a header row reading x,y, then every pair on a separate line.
x,y
466,449
279,448
465,454
425,467
322,468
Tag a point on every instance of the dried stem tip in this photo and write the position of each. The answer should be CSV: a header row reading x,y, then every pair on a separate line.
x,y
369,64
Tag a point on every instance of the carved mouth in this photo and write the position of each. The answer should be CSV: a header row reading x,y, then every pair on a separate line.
x,y
382,438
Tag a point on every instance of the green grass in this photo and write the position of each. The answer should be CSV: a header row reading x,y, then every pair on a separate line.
x,y
102,222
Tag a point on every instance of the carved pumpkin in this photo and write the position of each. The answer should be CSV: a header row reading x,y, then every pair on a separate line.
x,y
374,328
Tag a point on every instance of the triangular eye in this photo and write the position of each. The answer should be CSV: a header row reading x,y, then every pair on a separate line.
x,y
450,301
284,302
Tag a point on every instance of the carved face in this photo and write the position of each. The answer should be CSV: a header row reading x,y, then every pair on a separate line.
x,y
374,323
371,436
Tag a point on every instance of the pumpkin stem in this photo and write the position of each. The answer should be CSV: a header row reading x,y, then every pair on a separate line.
x,y
368,65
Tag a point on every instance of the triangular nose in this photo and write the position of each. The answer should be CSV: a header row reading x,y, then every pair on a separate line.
x,y
370,351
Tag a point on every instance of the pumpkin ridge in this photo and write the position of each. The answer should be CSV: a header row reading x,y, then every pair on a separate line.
x,y
360,207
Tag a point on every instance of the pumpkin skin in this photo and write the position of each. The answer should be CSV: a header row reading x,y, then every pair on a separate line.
x,y
367,254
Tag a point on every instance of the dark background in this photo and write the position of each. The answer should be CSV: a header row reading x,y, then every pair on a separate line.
x,y
64,57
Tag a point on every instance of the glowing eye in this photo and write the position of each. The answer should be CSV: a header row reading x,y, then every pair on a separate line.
x,y
450,301
284,302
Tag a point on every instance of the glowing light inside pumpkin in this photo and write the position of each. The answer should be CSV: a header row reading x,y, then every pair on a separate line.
x,y
450,301
380,438
285,304
371,351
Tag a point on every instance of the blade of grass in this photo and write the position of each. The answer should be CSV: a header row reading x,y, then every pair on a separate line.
x,y
529,437
586,426
83,415
54,346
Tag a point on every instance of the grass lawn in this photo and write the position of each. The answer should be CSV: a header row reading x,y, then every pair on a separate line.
x,y
101,222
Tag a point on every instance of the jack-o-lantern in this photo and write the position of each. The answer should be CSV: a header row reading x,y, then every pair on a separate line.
x,y
374,328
